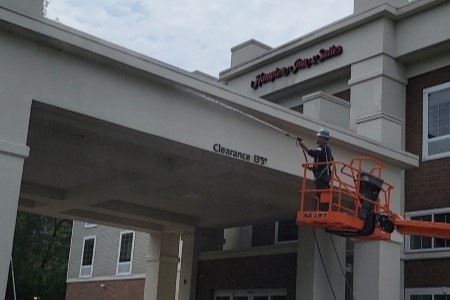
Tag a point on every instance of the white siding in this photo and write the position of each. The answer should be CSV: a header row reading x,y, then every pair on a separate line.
x,y
107,246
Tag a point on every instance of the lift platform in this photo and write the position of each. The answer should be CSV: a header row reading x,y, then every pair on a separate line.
x,y
357,203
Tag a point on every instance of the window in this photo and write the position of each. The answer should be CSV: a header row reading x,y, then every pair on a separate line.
x,y
436,122
286,231
421,297
125,256
427,293
421,243
87,257
251,294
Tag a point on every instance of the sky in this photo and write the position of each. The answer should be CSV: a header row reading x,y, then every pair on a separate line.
x,y
196,34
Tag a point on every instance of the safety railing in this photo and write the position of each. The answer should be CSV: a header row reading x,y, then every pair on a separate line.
x,y
344,193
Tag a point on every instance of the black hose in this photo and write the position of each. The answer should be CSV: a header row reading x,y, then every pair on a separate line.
x,y
342,269
323,264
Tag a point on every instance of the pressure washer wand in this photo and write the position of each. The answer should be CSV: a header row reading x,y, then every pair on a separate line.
x,y
298,141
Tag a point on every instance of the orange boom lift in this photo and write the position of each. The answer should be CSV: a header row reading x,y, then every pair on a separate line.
x,y
357,204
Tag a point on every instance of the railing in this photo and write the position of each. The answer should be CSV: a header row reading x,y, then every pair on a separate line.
x,y
344,192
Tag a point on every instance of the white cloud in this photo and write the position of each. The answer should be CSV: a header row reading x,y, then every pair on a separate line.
x,y
196,34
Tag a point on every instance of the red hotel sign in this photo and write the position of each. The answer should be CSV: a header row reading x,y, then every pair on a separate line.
x,y
301,63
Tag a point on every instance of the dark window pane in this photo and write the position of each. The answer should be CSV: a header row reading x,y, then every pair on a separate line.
x,y
415,242
287,231
439,218
426,242
439,243
433,99
126,247
88,252
420,242
278,298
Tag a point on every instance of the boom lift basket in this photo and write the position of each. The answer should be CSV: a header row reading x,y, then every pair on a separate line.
x,y
355,204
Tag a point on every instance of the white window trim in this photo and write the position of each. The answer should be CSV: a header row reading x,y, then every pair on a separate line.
x,y
426,291
426,92
70,251
132,253
93,255
433,212
90,225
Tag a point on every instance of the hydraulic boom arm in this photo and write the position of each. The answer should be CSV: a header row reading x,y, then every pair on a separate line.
x,y
422,228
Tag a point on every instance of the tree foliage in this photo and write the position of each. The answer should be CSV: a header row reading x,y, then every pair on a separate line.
x,y
40,255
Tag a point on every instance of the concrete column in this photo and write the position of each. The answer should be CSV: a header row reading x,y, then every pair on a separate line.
x,y
247,51
363,5
231,236
312,282
376,270
188,270
162,262
11,166
238,237
33,8
378,93
327,108
193,244
14,120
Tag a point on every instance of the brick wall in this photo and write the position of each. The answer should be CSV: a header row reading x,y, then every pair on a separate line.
x,y
132,289
427,273
427,186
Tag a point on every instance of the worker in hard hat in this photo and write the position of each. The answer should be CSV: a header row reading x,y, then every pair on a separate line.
x,y
321,154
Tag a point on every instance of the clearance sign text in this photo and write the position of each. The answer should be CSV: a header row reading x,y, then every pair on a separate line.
x,y
256,159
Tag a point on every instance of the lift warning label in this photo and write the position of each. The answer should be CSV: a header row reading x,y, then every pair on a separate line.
x,y
315,215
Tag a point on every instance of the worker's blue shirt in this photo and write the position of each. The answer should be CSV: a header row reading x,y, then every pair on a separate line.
x,y
321,153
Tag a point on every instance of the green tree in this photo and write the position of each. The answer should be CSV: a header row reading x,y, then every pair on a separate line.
x,y
40,255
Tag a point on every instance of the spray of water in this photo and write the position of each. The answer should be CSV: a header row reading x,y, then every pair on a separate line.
x,y
228,107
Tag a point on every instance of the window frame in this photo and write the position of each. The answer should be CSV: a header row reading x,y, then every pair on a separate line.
x,y
425,139
89,225
90,237
122,233
432,212
276,239
250,293
436,291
